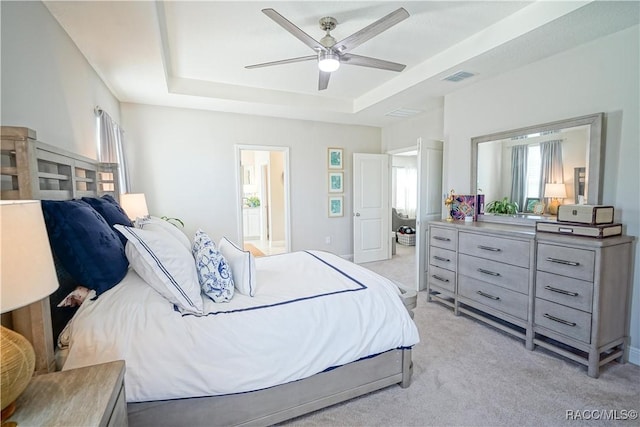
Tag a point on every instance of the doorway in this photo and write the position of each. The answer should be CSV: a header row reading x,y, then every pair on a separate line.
x,y
263,199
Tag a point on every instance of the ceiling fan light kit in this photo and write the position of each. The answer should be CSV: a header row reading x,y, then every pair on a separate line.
x,y
330,54
328,62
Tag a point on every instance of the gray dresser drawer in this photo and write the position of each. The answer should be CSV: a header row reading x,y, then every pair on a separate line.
x,y
565,290
570,262
505,275
443,258
445,238
500,249
563,320
442,278
510,302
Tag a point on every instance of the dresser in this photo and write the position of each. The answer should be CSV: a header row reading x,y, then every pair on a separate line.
x,y
91,396
568,294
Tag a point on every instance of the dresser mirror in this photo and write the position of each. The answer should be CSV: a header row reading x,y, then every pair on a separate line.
x,y
513,163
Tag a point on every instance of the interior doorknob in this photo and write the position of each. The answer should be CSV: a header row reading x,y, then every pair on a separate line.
x,y
357,214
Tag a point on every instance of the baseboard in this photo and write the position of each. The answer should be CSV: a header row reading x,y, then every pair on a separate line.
x,y
634,355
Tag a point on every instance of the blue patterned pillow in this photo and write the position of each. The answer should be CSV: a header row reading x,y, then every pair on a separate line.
x,y
201,240
214,274
87,247
111,212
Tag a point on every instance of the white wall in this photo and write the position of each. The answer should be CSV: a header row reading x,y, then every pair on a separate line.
x,y
184,161
428,125
601,76
47,84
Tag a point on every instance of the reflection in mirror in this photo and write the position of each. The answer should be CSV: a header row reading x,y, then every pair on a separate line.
x,y
518,164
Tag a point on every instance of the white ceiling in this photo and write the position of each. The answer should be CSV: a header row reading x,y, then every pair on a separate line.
x,y
193,54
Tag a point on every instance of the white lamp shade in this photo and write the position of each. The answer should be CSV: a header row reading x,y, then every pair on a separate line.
x,y
135,205
555,191
27,273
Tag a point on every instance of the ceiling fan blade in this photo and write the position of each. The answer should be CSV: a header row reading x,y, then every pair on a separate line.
x,y
283,61
366,61
294,30
370,31
323,81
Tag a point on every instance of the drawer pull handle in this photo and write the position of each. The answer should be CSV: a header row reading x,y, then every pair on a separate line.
x,y
559,320
444,239
487,296
490,273
561,291
489,248
442,279
563,262
439,258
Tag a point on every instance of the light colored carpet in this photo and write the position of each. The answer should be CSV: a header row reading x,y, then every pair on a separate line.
x,y
469,374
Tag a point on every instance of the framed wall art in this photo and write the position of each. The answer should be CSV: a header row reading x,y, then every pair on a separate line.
x,y
336,206
335,158
336,182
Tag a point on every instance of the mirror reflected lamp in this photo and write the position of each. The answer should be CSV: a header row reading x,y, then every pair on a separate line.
x,y
555,192
27,275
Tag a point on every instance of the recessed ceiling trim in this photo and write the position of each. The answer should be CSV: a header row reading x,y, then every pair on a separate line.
x,y
403,112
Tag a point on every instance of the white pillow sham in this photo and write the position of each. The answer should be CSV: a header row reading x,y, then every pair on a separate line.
x,y
165,264
243,266
158,224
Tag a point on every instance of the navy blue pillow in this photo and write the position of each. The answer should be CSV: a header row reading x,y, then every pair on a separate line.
x,y
110,211
87,247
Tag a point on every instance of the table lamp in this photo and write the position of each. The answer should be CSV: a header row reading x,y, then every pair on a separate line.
x,y
135,205
555,192
27,275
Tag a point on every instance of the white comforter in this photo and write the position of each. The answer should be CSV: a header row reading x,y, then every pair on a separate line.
x,y
312,311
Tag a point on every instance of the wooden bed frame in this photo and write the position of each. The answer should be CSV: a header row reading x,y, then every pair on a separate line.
x,y
35,170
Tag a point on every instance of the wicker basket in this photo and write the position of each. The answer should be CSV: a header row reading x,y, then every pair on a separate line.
x,y
406,239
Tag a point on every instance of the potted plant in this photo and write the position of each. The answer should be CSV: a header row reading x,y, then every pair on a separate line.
x,y
503,206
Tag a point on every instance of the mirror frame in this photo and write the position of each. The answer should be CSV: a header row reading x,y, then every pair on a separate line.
x,y
595,167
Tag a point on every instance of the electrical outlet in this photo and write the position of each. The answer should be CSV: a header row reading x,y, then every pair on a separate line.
x,y
327,240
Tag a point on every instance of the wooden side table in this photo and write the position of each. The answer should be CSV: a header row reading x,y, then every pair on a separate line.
x,y
90,396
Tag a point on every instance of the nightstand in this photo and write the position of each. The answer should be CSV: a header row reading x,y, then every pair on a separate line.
x,y
91,396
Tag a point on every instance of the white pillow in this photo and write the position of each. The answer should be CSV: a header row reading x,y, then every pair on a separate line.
x,y
200,240
214,274
158,224
243,266
165,264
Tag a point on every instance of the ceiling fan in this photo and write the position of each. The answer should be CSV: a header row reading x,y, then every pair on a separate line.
x,y
329,53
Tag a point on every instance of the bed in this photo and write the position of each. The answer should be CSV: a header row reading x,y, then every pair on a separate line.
x,y
318,330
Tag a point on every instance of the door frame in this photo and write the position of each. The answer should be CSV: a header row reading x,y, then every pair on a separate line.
x,y
287,198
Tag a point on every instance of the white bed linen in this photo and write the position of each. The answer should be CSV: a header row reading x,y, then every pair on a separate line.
x,y
306,316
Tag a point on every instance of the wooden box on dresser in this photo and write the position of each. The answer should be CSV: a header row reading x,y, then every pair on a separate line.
x,y
565,293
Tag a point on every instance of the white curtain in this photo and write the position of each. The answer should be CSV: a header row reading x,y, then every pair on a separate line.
x,y
406,190
110,147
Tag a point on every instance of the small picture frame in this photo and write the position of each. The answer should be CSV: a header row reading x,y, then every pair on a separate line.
x,y
335,158
538,208
336,206
530,204
336,182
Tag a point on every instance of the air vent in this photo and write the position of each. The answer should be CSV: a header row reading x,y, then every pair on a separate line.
x,y
403,112
457,76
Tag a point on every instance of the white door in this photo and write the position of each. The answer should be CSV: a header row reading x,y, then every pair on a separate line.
x,y
429,206
371,208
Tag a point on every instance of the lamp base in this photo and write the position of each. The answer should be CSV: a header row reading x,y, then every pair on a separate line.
x,y
553,206
18,363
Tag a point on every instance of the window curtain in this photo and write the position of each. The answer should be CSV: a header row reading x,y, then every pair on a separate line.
x,y
551,164
405,197
519,175
110,147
